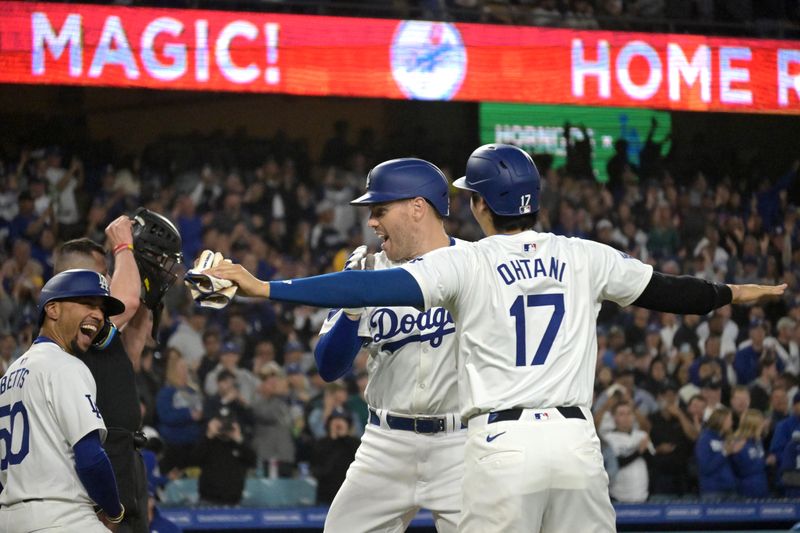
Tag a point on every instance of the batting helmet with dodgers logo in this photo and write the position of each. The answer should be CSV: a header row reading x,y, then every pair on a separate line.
x,y
79,283
505,177
399,179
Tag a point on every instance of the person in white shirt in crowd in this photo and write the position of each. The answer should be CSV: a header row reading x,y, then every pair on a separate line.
x,y
188,338
784,344
630,447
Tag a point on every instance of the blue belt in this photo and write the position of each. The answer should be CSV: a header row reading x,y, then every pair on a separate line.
x,y
418,424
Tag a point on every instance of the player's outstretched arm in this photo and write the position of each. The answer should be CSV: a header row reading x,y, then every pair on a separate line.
x,y
750,293
687,295
394,287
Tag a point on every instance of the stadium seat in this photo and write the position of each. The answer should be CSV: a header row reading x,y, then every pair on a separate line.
x,y
264,492
180,492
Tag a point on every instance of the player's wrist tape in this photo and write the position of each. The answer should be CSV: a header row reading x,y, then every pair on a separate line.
x,y
118,519
122,247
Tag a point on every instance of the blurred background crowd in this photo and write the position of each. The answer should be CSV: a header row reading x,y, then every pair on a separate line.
x,y
685,405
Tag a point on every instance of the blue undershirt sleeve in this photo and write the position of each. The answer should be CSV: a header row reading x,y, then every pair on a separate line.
x,y
337,348
352,288
95,472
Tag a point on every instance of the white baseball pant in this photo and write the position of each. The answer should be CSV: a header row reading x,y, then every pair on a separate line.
x,y
50,517
540,473
396,473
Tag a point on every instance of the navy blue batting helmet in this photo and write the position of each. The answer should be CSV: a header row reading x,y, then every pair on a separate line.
x,y
79,283
505,177
398,179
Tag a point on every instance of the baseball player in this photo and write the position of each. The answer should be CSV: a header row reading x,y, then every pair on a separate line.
x,y
412,451
52,466
525,304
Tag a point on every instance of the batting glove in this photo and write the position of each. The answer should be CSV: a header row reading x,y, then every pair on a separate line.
x,y
359,260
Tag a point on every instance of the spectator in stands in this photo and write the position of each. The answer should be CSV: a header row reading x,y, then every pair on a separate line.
x,y
696,410
224,458
334,399
712,450
784,345
672,434
227,403
180,409
717,366
212,344
789,469
784,432
229,358
630,446
332,455
748,463
188,338
750,352
740,403
687,334
274,423
761,387
711,391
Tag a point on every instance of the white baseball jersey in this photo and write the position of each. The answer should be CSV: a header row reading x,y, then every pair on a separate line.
x,y
526,308
412,363
47,404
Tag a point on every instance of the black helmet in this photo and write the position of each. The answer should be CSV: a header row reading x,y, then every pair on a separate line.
x,y
157,249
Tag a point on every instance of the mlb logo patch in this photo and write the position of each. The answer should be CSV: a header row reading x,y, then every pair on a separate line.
x,y
529,247
541,416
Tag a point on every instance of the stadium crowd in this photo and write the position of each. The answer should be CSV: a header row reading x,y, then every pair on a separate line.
x,y
686,406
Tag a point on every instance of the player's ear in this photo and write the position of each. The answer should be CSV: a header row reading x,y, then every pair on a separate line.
x,y
419,205
53,310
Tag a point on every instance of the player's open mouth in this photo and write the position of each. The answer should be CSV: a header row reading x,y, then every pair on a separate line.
x,y
89,329
384,239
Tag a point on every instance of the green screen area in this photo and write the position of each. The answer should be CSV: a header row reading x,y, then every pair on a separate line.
x,y
540,129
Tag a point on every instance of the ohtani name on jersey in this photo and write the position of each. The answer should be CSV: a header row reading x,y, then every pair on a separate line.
x,y
518,269
432,326
13,379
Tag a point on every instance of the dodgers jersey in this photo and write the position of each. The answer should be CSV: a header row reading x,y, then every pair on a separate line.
x,y
47,404
412,363
526,307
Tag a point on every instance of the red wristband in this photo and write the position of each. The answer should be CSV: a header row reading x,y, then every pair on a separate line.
x,y
124,246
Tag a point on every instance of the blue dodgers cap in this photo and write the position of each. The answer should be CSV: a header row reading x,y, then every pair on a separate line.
x,y
400,179
79,283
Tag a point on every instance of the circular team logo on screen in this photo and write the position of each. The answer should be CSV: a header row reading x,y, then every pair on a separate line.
x,y
429,60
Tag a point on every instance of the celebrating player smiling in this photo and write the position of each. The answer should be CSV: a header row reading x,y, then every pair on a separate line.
x,y
53,468
525,305
414,435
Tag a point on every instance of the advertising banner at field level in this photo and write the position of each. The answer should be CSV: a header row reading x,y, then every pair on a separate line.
x,y
200,50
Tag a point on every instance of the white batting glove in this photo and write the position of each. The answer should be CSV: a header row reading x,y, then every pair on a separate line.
x,y
209,291
359,260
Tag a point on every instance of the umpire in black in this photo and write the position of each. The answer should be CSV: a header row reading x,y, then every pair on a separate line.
x,y
145,250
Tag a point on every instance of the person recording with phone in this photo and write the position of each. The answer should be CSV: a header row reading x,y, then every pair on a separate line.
x,y
224,457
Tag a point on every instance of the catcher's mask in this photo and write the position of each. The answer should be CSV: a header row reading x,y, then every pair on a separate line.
x,y
157,249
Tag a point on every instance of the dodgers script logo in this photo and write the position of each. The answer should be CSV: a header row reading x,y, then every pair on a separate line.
x,y
432,325
429,60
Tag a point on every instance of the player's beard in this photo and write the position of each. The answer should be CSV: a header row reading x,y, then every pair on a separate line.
x,y
75,347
